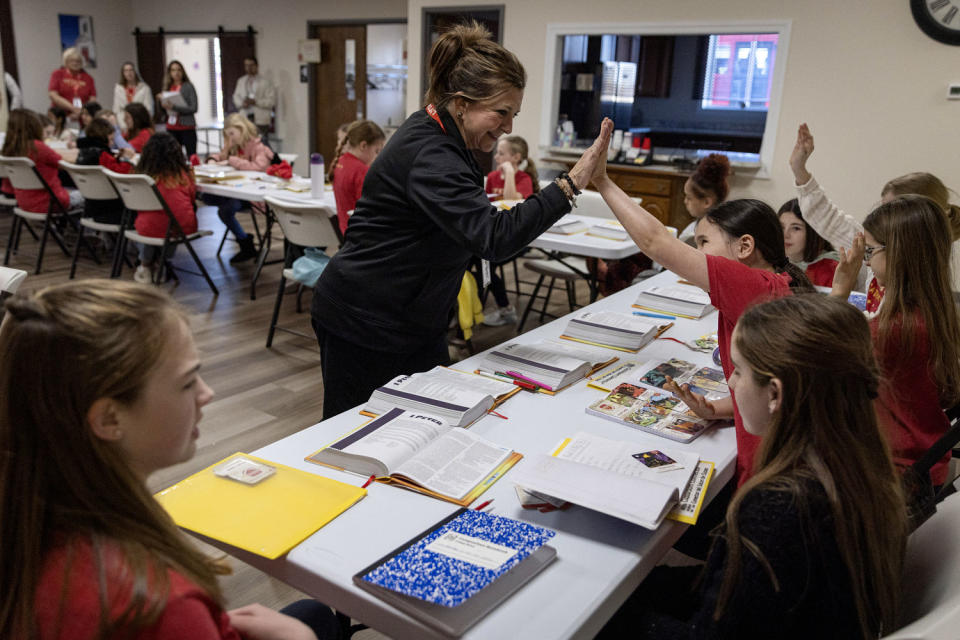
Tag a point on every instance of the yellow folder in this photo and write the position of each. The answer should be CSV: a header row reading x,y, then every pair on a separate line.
x,y
268,518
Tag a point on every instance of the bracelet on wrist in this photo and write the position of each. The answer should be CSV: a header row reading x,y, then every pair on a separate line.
x,y
569,180
567,191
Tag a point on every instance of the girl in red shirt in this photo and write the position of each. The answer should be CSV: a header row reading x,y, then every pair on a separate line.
x,y
100,388
516,175
361,144
163,161
740,261
25,139
805,247
906,242
138,124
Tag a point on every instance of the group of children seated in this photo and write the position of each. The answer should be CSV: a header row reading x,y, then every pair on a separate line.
x,y
161,157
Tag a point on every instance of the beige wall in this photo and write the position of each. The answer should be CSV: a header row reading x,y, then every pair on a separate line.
x,y
37,36
869,82
280,26
871,85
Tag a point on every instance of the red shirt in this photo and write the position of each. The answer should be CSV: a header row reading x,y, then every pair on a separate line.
x,y
140,139
118,166
521,178
180,199
733,288
38,200
129,91
908,403
874,295
72,85
347,185
820,272
68,600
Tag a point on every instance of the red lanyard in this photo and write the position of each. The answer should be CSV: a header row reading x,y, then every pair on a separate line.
x,y
432,112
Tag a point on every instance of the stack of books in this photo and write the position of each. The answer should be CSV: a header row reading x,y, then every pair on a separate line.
x,y
611,329
549,366
685,301
457,397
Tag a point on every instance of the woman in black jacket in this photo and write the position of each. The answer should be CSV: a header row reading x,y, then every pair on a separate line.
x,y
383,303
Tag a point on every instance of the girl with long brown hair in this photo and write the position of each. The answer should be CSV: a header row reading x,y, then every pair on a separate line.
x,y
99,388
739,260
906,243
813,543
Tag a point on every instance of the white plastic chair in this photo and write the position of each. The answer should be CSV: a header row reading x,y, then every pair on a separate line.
x,y
10,281
140,193
23,174
931,586
6,201
94,184
304,225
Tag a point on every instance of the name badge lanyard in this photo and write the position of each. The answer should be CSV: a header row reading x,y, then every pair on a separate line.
x,y
484,263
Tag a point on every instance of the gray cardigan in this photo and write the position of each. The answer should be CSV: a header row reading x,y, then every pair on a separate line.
x,y
189,95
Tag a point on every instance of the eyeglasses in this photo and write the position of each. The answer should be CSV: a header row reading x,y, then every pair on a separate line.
x,y
869,251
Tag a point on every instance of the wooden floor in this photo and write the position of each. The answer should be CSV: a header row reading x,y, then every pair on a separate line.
x,y
262,394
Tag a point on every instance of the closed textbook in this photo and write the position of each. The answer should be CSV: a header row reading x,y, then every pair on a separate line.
x,y
268,518
459,570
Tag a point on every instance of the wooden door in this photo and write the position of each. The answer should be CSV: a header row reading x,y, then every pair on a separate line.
x,y
339,89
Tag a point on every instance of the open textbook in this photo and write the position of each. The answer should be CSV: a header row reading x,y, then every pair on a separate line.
x,y
551,365
459,398
626,480
420,452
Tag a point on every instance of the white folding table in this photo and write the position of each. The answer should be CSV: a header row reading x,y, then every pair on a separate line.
x,y
601,559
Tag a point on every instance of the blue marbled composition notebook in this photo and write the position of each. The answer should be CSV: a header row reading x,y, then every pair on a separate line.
x,y
457,558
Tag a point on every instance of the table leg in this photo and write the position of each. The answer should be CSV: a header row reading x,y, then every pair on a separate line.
x,y
264,250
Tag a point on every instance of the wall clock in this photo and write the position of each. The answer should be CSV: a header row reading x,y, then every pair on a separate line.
x,y
939,19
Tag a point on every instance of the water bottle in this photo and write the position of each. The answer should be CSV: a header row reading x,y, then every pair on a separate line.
x,y
316,175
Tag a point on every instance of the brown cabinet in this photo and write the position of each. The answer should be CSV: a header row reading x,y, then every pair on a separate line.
x,y
660,187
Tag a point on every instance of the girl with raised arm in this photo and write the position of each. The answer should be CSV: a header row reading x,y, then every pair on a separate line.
x,y
839,228
739,260
916,331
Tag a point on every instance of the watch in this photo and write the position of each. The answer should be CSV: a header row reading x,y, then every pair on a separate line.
x,y
939,19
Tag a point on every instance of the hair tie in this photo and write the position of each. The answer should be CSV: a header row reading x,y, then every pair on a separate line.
x,y
23,309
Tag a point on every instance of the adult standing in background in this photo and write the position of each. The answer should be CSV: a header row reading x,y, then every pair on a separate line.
x,y
70,86
382,305
181,122
254,96
130,89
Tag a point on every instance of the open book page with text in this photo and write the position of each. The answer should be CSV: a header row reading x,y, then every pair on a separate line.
x,y
630,481
383,444
454,463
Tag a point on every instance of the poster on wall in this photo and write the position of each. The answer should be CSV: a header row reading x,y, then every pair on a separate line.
x,y
77,31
